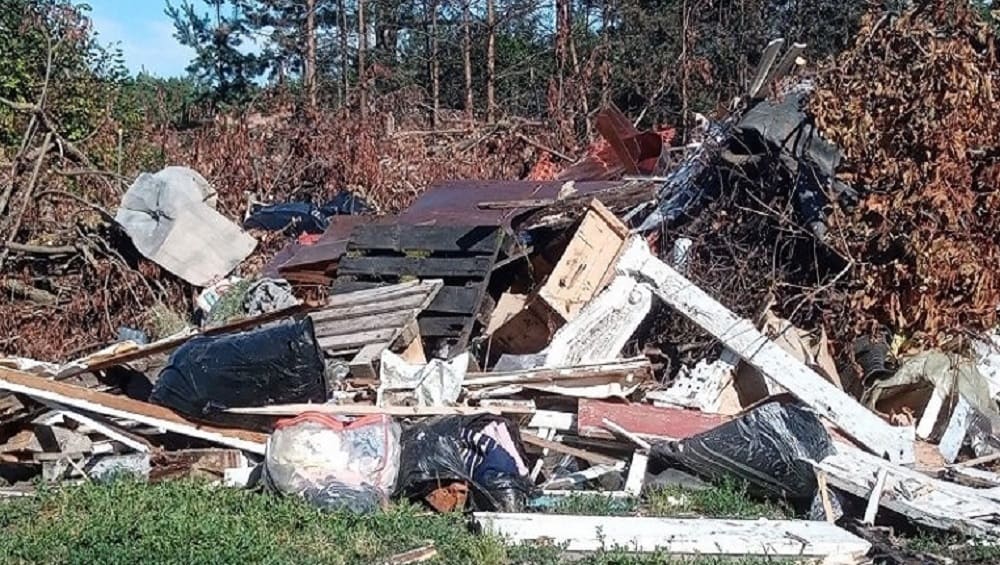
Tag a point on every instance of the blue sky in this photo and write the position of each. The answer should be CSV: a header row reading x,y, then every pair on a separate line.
x,y
145,33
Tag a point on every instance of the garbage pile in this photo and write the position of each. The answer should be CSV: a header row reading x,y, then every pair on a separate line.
x,y
737,313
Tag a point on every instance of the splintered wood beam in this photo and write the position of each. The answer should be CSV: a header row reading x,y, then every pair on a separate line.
x,y
680,536
757,350
924,500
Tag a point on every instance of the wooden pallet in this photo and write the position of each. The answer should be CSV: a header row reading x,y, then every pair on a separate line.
x,y
463,256
365,323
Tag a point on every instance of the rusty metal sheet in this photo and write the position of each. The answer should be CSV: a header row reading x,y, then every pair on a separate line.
x,y
456,202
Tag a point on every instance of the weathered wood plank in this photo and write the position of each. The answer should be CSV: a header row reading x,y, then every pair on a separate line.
x,y
772,361
354,341
373,293
424,267
405,303
479,240
115,406
587,263
925,500
377,321
694,536
601,328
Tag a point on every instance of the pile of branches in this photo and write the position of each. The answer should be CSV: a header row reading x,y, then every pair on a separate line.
x,y
912,105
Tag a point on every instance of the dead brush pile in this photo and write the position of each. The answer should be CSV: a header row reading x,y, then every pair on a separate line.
x,y
913,106
87,295
389,158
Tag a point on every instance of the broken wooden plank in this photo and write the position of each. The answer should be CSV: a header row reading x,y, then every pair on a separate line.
x,y
875,498
114,406
366,409
103,427
593,458
418,555
772,361
374,293
958,427
764,67
786,63
697,536
587,263
931,412
634,369
980,460
210,464
388,305
643,420
636,473
923,499
601,328
579,479
362,366
377,321
355,341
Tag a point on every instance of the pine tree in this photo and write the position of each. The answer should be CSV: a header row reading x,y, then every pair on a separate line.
x,y
222,65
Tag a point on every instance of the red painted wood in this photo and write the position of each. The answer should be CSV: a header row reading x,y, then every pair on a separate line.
x,y
643,419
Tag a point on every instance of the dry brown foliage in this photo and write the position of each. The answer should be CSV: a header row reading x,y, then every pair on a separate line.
x,y
913,104
275,154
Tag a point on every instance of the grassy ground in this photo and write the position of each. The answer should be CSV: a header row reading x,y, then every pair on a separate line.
x,y
189,522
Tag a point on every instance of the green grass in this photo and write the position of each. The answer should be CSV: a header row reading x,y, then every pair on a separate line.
x,y
725,500
190,522
953,546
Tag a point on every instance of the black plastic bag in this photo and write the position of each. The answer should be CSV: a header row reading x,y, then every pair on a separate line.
x,y
450,448
280,364
347,204
291,217
768,448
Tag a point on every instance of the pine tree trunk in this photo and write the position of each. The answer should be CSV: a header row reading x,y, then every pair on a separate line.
x,y
562,48
362,71
467,60
684,70
345,66
491,102
605,54
431,50
310,62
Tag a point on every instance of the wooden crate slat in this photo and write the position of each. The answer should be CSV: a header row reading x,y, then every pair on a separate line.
x,y
481,240
423,267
